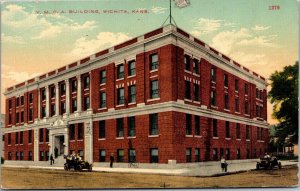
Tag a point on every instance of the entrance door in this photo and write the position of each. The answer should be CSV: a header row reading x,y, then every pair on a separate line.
x,y
59,145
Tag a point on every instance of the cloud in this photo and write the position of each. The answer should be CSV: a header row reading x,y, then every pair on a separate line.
x,y
11,39
203,25
84,46
158,10
19,76
226,40
260,28
265,41
40,26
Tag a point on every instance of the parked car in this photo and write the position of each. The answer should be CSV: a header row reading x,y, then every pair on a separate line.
x,y
268,163
77,165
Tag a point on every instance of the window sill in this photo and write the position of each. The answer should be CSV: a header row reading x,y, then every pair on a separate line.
x,y
238,139
102,84
215,137
100,109
213,82
119,79
215,107
120,105
198,136
153,135
198,102
260,141
119,137
154,76
198,75
72,140
154,99
248,140
187,71
237,112
133,137
155,70
29,143
188,135
227,110
80,140
227,139
101,139
236,91
247,115
188,100
131,103
226,87
131,76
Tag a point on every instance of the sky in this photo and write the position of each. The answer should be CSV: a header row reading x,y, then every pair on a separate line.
x,y
40,36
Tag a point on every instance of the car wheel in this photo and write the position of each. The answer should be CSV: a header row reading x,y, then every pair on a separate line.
x,y
279,165
257,166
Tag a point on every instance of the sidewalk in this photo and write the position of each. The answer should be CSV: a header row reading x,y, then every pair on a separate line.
x,y
201,170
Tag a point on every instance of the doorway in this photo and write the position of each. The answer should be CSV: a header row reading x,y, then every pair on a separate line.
x,y
59,145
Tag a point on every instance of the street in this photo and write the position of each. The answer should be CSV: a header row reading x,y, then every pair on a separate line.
x,y
27,178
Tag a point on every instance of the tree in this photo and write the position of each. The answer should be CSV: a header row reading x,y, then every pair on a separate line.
x,y
284,96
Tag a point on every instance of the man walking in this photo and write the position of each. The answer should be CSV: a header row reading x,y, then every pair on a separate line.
x,y
51,159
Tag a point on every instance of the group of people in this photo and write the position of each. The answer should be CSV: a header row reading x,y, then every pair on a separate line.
x,y
73,157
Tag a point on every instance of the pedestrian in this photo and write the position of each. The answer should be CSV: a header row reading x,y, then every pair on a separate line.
x,y
51,159
111,159
56,152
223,164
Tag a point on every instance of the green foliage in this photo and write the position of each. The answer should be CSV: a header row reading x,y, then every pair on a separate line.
x,y
284,95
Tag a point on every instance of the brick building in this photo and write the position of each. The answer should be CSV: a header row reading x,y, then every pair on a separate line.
x,y
160,97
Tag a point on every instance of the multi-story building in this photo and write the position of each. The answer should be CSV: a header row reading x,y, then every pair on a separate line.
x,y
160,97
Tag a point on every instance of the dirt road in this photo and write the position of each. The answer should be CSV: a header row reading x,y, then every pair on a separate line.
x,y
22,178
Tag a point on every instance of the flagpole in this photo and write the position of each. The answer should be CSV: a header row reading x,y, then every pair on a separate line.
x,y
170,13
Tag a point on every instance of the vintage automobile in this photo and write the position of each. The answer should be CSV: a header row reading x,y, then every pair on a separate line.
x,y
268,163
77,165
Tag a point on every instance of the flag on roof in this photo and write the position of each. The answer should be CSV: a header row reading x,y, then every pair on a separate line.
x,y
182,3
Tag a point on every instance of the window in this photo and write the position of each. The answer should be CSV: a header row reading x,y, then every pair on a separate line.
x,y
62,89
52,109
261,133
153,155
86,82
30,117
62,108
237,106
17,117
43,111
188,155
120,71
47,155
102,156
238,154
154,93
215,128
9,118
215,154
225,80
74,85
131,68
41,137
131,155
47,135
236,82
248,154
81,153
213,74
153,124
43,94
74,105
246,107
80,131
17,156
120,155
226,101
30,155
102,76
17,138
9,104
22,100
9,156
227,154
196,92
247,132
238,131
102,99
187,63
197,155
188,124
41,155
31,98
21,155
18,101
9,139
213,98
30,136
153,61
197,125
101,130
131,92
86,103
187,90
22,116
227,129
196,66
120,127
221,152
246,89
21,137
72,132
131,126
121,98
52,91
257,133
